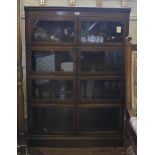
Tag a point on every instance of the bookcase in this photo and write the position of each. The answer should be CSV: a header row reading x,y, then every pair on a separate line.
x,y
75,61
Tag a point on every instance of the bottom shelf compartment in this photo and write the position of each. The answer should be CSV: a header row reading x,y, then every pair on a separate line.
x,y
75,120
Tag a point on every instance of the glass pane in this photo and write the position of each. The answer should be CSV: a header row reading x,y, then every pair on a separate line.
x,y
101,61
53,119
113,60
52,89
53,61
92,61
101,31
99,119
100,89
54,31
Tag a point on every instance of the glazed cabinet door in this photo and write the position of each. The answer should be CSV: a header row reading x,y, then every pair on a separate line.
x,y
98,31
51,119
51,61
51,28
95,89
101,61
52,90
100,120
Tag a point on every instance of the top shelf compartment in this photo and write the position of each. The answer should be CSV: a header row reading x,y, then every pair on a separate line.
x,y
75,27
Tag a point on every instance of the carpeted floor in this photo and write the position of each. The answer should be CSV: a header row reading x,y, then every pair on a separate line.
x,y
75,151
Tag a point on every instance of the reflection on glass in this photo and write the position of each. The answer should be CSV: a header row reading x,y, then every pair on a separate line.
x,y
113,60
100,89
53,119
54,31
99,119
53,61
52,89
101,31
101,61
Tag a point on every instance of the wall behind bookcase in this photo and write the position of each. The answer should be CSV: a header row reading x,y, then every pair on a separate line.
x,y
79,3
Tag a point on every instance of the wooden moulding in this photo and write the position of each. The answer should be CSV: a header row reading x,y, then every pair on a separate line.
x,y
130,135
73,141
20,96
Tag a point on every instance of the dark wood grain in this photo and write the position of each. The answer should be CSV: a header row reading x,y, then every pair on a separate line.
x,y
20,96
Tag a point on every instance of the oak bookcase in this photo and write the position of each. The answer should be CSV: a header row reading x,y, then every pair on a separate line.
x,y
76,88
